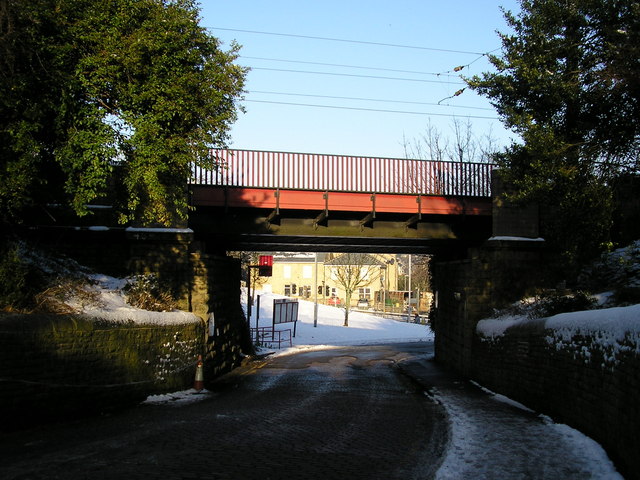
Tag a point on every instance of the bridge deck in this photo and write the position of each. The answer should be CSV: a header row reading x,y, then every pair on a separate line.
x,y
301,181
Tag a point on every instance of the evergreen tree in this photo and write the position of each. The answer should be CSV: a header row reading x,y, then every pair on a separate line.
x,y
567,84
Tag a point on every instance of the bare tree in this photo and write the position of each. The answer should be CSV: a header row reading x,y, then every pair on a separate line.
x,y
463,147
352,271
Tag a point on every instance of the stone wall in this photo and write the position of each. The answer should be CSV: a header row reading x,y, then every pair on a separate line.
x,y
468,290
206,285
592,387
55,366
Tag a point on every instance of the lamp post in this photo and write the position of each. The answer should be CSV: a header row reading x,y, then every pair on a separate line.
x,y
383,285
391,261
315,288
409,286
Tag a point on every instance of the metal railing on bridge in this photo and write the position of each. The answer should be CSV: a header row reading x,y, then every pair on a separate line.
x,y
307,171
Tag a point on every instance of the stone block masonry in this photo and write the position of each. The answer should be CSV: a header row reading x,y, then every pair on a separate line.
x,y
589,384
54,366
468,290
204,284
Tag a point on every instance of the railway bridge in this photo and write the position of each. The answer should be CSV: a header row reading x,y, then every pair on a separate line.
x,y
262,200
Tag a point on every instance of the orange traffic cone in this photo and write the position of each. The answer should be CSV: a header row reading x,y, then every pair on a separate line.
x,y
198,385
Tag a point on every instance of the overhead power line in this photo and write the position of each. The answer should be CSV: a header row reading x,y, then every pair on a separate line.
x,y
381,44
357,76
340,107
360,67
334,97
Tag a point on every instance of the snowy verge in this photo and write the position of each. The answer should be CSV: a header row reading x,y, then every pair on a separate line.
x,y
110,305
617,321
181,398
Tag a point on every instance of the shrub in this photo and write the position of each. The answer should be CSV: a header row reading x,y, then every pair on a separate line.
x,y
553,303
145,292
32,280
14,274
618,271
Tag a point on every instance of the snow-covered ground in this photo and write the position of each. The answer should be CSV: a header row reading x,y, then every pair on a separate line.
x,y
490,441
363,329
110,304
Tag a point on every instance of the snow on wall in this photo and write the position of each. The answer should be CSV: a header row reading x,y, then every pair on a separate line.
x,y
609,330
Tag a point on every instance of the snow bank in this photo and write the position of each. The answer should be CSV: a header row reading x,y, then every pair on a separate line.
x,y
617,322
609,331
111,306
363,329
496,327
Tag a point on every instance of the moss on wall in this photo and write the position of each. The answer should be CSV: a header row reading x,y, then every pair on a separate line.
x,y
56,366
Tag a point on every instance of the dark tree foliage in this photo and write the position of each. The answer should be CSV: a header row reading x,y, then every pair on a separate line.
x,y
93,87
567,82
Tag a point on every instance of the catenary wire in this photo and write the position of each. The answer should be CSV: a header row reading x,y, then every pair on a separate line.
x,y
335,97
360,67
381,44
357,76
341,107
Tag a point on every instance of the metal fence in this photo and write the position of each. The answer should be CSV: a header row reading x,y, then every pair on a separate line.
x,y
306,171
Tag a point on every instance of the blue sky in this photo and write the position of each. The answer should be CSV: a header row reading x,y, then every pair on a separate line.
x,y
279,113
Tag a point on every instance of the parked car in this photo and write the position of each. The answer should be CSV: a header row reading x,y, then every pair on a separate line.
x,y
334,301
363,303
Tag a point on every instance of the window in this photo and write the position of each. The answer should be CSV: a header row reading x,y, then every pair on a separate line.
x,y
364,293
307,271
286,271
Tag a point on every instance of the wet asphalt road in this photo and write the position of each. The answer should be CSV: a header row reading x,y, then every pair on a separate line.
x,y
343,413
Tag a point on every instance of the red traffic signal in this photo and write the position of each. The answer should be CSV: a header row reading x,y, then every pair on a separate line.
x,y
265,260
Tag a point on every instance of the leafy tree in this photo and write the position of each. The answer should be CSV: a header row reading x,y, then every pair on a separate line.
x,y
92,90
566,82
352,271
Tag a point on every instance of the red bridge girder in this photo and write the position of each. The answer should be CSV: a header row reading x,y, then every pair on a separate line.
x,y
265,198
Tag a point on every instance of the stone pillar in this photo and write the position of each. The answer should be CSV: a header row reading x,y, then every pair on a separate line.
x,y
492,276
165,253
207,285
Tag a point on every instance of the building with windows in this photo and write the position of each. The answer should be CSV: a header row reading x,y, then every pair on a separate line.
x,y
294,275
